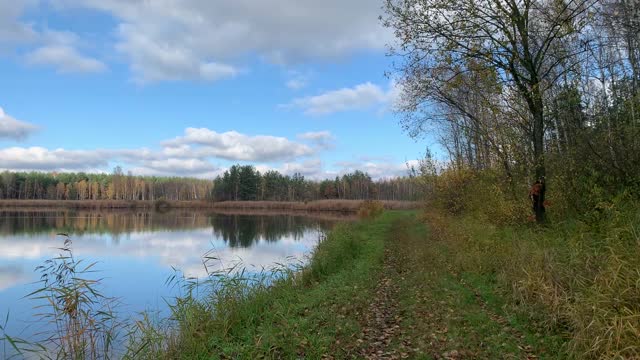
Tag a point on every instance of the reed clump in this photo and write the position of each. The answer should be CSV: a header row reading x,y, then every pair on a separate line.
x,y
78,321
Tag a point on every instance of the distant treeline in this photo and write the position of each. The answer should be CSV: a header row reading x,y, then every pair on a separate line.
x,y
115,186
238,183
245,183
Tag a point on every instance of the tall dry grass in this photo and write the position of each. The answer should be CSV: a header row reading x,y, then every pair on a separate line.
x,y
579,275
318,205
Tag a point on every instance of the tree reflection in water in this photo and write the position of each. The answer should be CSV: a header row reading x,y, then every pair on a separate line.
x,y
246,230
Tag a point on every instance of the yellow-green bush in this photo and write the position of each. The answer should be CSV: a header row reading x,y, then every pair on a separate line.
x,y
485,194
452,190
370,209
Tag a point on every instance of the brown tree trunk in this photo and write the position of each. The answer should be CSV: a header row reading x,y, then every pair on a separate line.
x,y
538,147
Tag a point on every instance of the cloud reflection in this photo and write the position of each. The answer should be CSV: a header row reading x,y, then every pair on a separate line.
x,y
10,276
176,240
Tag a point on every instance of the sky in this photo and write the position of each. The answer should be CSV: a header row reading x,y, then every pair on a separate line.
x,y
191,87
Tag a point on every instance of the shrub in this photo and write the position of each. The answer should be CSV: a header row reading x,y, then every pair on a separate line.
x,y
370,209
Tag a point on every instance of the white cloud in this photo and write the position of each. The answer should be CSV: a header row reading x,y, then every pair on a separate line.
x,y
183,36
59,50
377,170
296,84
65,59
55,48
321,139
11,29
11,128
144,161
316,135
360,97
181,167
297,80
311,168
195,154
39,158
315,169
147,162
235,146
152,61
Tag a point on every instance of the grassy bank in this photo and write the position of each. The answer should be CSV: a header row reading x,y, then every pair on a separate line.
x,y
319,205
421,285
378,288
304,314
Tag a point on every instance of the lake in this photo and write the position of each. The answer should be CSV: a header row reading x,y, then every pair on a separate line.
x,y
137,251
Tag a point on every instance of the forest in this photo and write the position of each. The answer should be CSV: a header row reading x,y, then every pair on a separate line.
x,y
245,183
115,186
239,183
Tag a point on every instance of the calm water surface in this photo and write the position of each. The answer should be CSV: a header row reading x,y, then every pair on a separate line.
x,y
137,250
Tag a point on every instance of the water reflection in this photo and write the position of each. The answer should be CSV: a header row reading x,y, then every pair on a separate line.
x,y
245,230
116,222
136,250
10,276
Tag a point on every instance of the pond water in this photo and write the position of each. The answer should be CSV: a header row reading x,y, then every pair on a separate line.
x,y
136,251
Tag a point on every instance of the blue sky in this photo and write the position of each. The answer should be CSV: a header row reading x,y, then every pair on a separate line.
x,y
189,87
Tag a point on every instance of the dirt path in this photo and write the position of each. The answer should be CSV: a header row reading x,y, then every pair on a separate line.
x,y
421,310
381,323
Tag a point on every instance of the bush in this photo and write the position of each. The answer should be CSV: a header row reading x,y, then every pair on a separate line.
x,y
484,193
370,209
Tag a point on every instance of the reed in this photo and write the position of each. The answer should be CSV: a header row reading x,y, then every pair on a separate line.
x,y
351,206
79,322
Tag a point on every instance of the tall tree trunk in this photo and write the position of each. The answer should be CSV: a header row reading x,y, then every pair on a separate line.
x,y
537,110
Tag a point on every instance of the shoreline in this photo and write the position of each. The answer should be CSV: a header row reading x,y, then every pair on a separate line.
x,y
347,206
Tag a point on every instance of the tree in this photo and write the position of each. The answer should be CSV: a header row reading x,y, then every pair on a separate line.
x,y
523,40
249,180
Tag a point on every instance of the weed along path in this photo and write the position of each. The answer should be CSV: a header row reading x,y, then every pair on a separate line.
x,y
422,309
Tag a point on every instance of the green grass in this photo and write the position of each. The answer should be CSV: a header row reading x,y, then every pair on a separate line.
x,y
450,313
448,287
305,314
443,309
